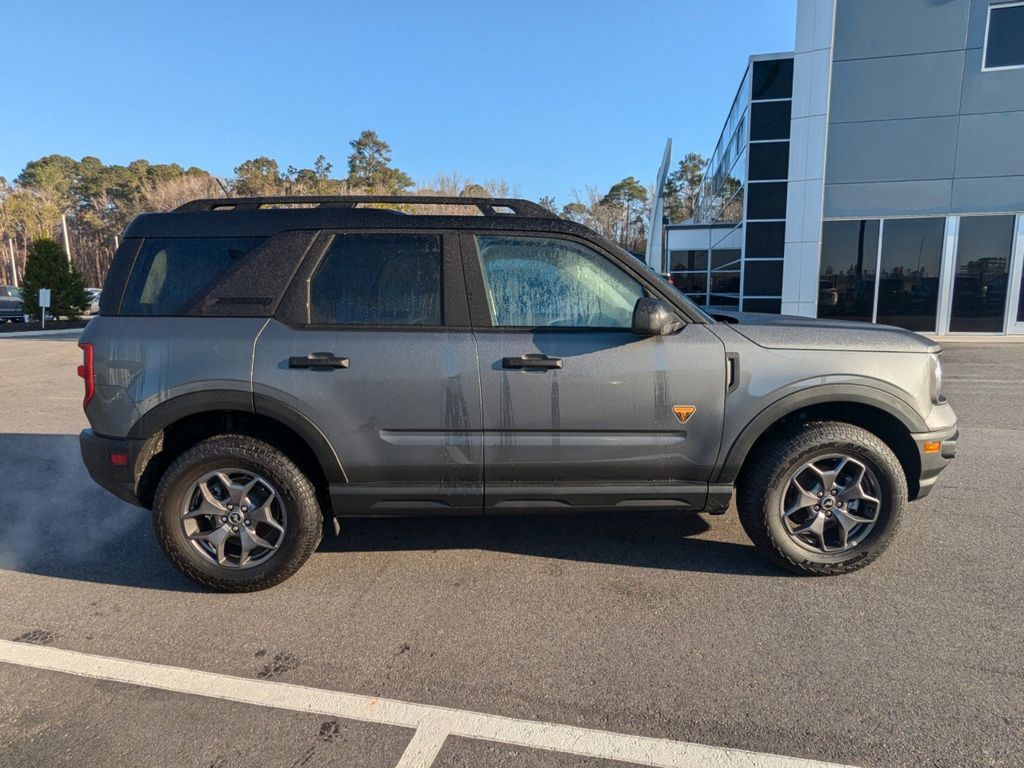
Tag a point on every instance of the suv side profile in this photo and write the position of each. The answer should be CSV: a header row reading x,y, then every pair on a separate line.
x,y
260,365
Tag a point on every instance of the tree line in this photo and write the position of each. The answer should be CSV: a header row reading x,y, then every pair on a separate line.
x,y
97,201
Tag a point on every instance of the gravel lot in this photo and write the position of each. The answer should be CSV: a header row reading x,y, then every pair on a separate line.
x,y
647,624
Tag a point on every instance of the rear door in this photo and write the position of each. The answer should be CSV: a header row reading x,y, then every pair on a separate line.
x,y
578,410
372,345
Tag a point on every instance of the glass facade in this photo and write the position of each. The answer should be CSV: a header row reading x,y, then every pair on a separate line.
x,y
928,274
742,199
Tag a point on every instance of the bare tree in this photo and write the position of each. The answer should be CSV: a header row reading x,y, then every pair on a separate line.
x,y
168,194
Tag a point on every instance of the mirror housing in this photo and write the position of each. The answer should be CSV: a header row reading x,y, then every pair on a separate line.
x,y
653,317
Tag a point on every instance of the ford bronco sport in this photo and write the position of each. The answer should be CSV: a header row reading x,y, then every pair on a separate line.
x,y
259,365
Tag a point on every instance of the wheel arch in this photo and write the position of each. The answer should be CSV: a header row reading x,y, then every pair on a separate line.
x,y
880,413
172,427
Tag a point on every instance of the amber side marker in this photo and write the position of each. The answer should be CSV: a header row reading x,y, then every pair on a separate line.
x,y
683,412
933,446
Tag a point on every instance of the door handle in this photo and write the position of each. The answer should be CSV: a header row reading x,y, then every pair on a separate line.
x,y
318,360
531,361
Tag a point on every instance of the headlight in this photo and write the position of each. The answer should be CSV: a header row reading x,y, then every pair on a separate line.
x,y
936,384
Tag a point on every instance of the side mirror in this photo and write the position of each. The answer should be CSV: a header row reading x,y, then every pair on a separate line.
x,y
653,317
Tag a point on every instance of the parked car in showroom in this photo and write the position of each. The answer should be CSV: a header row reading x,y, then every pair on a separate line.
x,y
256,368
12,308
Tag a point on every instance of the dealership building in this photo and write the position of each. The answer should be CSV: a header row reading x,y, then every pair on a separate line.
x,y
876,173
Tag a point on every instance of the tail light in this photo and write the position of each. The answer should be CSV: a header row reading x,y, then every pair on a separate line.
x,y
85,370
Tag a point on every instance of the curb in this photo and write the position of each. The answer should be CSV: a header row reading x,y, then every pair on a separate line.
x,y
30,334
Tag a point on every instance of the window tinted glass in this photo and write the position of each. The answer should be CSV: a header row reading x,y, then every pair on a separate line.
x,y
1005,44
688,260
766,200
766,239
772,306
846,284
762,278
769,161
537,282
982,274
908,286
725,258
772,79
770,120
172,275
391,279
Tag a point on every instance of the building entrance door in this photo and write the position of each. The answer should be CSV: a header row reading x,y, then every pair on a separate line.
x,y
1015,321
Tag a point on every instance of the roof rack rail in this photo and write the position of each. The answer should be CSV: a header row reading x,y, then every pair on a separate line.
x,y
488,206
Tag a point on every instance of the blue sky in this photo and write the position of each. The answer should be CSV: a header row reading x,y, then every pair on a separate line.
x,y
550,96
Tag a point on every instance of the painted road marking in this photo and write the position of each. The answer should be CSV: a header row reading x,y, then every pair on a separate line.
x,y
432,724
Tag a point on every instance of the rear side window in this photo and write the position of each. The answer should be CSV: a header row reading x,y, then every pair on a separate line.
x,y
172,275
386,279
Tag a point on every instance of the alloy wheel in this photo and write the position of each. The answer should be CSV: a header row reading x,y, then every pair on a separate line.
x,y
831,503
234,518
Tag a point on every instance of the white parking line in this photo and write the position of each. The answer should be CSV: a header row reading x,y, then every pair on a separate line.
x,y
432,724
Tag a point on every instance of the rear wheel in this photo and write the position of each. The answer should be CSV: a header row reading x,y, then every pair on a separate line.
x,y
235,514
824,499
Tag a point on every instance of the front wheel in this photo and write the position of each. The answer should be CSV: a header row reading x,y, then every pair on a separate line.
x,y
826,498
234,514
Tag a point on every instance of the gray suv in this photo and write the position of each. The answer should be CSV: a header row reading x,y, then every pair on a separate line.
x,y
261,365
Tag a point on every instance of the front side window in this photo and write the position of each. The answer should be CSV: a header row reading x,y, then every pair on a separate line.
x,y
172,276
535,282
1004,37
378,280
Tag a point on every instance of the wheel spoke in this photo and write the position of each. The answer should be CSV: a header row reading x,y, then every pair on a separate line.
x,y
255,540
857,493
216,538
209,505
802,500
262,514
846,524
815,527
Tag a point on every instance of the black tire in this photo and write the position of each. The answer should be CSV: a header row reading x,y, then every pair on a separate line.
x,y
304,517
759,495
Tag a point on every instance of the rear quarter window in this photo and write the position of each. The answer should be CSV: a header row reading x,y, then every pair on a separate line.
x,y
172,276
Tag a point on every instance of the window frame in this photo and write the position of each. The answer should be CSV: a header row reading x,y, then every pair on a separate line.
x,y
476,288
295,307
988,25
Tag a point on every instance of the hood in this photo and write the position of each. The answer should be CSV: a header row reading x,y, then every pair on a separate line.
x,y
794,332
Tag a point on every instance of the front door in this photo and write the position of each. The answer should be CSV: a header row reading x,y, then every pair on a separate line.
x,y
577,409
365,348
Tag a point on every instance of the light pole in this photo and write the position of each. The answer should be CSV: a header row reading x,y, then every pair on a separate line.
x,y
67,241
14,265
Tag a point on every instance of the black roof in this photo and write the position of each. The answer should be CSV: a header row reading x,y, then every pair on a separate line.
x,y
266,216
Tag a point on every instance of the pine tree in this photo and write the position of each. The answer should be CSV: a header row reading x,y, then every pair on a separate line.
x,y
47,267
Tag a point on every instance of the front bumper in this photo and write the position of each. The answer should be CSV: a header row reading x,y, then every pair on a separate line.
x,y
933,462
119,479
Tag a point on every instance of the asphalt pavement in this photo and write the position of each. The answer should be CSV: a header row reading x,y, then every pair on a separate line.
x,y
648,624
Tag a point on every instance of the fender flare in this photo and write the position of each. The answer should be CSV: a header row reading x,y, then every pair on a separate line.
x,y
161,416
858,394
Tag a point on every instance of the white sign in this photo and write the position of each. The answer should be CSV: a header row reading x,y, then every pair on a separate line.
x,y
44,298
